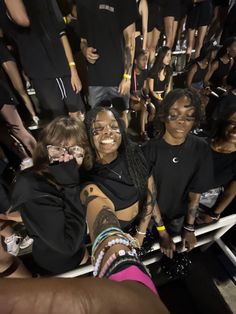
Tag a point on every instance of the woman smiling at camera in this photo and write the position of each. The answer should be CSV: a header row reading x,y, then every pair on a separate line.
x,y
119,181
47,196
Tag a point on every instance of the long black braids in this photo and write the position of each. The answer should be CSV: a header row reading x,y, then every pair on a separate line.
x,y
137,165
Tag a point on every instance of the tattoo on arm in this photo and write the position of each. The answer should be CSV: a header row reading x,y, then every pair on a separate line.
x,y
88,198
192,212
128,59
104,220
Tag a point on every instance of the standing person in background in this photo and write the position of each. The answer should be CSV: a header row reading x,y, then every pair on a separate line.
x,y
155,26
141,25
171,10
108,44
39,32
139,97
9,65
198,18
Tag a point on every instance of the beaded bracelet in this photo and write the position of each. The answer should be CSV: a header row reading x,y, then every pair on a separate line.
x,y
104,234
104,250
112,234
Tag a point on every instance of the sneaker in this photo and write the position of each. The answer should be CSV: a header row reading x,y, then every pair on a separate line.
x,y
26,242
12,244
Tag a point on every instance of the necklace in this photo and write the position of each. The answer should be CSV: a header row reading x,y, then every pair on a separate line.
x,y
116,173
175,156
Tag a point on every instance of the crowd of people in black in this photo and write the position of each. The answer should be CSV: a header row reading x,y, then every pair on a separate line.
x,y
101,71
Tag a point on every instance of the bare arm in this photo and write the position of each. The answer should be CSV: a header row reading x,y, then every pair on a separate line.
x,y
151,88
75,80
170,85
188,236
227,197
190,76
214,66
129,39
17,12
143,10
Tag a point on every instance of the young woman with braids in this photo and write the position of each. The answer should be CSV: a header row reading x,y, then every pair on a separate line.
x,y
119,180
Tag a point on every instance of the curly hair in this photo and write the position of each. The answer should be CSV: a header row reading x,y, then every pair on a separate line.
x,y
169,101
136,162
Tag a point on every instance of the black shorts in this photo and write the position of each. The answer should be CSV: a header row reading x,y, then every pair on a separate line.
x,y
56,96
155,18
200,14
172,8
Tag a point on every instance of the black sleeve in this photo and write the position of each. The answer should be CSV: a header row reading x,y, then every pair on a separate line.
x,y
59,221
126,12
203,180
150,154
84,18
60,24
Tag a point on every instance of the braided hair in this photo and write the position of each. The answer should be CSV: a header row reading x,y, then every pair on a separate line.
x,y
137,165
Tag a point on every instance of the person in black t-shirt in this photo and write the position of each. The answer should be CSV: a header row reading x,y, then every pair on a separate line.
x,y
9,65
181,165
160,75
39,32
119,180
223,147
139,98
107,41
220,68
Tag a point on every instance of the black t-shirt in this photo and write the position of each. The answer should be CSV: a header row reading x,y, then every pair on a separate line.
x,y
158,84
224,168
193,172
137,81
102,23
115,182
41,52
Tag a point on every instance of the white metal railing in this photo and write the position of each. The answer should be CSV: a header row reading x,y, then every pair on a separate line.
x,y
205,235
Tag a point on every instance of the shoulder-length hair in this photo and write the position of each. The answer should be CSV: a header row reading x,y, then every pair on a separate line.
x,y
61,130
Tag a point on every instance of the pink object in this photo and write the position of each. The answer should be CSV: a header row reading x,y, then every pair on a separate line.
x,y
135,274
